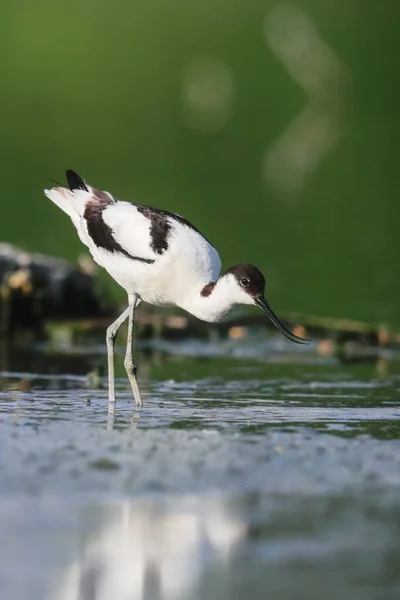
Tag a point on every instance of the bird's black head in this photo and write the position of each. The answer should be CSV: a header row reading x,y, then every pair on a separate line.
x,y
249,284
249,278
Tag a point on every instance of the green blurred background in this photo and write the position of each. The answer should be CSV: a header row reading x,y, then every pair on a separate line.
x,y
273,126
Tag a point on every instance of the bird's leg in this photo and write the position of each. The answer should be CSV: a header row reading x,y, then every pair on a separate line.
x,y
128,363
110,338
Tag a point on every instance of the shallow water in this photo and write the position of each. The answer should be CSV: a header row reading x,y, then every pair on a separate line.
x,y
270,475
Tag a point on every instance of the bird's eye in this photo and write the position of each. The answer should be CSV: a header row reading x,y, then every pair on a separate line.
x,y
244,282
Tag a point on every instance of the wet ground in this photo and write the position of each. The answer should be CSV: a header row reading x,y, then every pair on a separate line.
x,y
252,471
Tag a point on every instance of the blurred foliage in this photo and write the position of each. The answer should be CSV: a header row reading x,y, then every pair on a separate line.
x,y
183,105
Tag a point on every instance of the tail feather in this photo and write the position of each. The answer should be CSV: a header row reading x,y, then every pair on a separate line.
x,y
73,199
67,201
61,198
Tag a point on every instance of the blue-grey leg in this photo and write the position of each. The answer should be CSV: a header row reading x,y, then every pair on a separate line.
x,y
130,366
111,416
111,335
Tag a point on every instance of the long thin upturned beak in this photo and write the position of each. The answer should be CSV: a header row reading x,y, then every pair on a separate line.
x,y
263,304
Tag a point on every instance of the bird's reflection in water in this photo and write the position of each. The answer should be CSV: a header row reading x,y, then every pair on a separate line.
x,y
112,414
152,551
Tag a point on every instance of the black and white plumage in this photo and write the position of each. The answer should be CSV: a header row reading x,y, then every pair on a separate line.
x,y
158,257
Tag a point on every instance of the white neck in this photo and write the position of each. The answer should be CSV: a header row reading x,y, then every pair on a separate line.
x,y
225,294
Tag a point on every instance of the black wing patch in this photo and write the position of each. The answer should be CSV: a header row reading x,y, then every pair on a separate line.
x,y
75,182
161,225
159,228
102,234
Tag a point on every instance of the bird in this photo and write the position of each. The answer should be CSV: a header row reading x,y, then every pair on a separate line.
x,y
160,258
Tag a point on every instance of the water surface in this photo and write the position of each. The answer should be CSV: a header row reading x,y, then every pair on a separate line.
x,y
240,476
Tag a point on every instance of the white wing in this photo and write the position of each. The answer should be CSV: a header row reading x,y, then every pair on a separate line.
x,y
131,229
183,244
